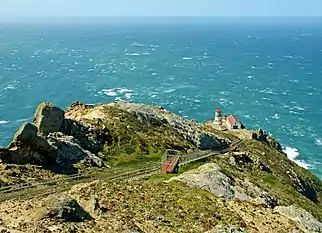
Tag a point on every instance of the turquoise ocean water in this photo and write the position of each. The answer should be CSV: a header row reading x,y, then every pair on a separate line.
x,y
269,73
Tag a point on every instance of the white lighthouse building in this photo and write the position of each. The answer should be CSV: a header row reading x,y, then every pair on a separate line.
x,y
218,117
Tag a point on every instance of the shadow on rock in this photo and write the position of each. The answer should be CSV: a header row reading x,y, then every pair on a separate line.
x,y
63,207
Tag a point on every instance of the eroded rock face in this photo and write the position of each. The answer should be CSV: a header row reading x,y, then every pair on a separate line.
x,y
48,118
42,143
90,137
308,223
68,151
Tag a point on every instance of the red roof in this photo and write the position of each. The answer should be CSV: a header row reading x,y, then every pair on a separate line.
x,y
218,110
232,120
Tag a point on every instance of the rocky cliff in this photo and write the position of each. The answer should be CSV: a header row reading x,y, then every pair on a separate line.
x,y
253,188
102,134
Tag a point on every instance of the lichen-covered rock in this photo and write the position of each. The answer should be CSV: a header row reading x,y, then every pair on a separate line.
x,y
27,133
211,177
63,207
48,118
308,223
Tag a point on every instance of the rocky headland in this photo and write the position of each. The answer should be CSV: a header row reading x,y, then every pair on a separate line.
x,y
253,187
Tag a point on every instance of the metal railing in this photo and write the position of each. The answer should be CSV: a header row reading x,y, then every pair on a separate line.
x,y
51,185
207,153
45,187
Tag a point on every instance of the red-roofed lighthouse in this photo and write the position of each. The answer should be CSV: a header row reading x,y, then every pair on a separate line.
x,y
218,117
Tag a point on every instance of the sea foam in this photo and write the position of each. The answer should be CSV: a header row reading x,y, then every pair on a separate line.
x,y
318,142
292,154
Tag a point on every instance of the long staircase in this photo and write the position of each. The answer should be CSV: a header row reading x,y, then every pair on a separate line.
x,y
46,187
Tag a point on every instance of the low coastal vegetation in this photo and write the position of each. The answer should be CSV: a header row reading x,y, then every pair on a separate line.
x,y
253,187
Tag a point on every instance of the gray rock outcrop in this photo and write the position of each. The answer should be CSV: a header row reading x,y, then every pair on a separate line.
x,y
42,143
90,137
211,178
308,223
48,118
68,151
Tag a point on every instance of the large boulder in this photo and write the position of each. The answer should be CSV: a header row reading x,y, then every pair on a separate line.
x,y
27,133
48,118
63,207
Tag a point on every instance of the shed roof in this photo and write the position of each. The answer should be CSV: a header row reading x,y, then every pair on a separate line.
x,y
233,120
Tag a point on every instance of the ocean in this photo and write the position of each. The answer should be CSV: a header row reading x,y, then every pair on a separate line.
x,y
267,72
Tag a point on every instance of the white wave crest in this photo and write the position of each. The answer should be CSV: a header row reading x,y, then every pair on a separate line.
x,y
4,122
123,90
109,92
117,92
292,154
318,142
276,116
10,87
132,54
135,44
128,95
186,58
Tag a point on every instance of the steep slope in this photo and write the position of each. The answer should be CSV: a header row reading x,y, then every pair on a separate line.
x,y
253,188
